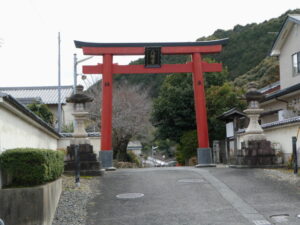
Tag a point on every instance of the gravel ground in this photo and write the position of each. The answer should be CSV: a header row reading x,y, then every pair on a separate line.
x,y
283,175
72,204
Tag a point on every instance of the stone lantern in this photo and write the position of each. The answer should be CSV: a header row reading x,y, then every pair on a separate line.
x,y
256,150
80,153
254,130
80,114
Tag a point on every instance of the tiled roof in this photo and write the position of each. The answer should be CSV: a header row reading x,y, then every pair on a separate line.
x,y
27,101
282,92
48,94
230,114
281,122
90,134
269,87
277,123
2,94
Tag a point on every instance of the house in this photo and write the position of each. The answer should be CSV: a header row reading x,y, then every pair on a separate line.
x,y
280,119
46,95
281,116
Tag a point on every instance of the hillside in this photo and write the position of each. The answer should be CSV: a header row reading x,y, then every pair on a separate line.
x,y
248,46
266,72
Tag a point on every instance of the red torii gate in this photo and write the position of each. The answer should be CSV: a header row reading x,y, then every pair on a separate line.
x,y
197,67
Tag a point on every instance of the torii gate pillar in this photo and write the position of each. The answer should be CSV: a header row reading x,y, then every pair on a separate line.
x,y
106,153
204,154
152,65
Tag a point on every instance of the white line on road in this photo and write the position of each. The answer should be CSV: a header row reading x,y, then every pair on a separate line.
x,y
239,204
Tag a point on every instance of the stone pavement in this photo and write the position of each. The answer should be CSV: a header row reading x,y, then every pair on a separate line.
x,y
190,196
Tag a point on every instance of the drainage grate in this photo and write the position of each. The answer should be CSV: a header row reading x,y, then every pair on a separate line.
x,y
281,218
130,195
191,181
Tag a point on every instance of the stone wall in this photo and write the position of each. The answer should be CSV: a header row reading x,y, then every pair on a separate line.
x,y
30,206
64,142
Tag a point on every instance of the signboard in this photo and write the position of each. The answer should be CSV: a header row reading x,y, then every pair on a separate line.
x,y
229,129
152,57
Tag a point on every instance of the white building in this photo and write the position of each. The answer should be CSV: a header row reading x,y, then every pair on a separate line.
x,y
280,119
45,95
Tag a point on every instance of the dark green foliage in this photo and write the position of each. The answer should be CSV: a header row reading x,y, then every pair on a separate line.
x,y
173,111
220,99
32,166
187,147
215,79
42,111
133,159
166,147
151,82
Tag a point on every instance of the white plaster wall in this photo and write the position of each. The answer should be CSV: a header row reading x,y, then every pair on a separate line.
x,y
291,46
282,135
16,132
67,109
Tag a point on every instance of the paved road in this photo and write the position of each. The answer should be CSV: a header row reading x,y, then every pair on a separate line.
x,y
190,196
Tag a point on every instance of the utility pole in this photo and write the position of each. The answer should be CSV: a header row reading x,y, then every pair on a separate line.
x,y
59,88
75,73
76,62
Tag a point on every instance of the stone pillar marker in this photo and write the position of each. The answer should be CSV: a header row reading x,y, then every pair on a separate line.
x,y
89,165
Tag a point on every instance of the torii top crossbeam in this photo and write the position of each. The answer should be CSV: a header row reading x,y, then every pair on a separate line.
x,y
153,52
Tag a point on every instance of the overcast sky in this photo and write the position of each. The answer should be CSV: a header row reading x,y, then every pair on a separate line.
x,y
29,29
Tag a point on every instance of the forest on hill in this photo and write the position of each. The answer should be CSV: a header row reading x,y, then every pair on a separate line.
x,y
247,47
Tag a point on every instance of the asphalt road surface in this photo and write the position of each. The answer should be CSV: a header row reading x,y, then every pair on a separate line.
x,y
192,196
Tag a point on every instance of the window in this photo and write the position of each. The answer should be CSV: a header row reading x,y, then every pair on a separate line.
x,y
296,63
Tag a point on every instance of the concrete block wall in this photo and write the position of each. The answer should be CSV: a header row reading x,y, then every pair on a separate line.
x,y
30,206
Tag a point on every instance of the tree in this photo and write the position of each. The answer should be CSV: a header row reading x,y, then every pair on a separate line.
x,y
131,114
173,110
220,99
174,113
42,111
187,147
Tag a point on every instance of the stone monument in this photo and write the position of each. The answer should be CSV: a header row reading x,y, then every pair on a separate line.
x,y
256,150
89,165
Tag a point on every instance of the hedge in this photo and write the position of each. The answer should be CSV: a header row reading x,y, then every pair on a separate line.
x,y
29,166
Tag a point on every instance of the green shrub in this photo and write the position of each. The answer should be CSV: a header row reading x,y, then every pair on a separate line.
x,y
133,159
290,163
187,147
32,166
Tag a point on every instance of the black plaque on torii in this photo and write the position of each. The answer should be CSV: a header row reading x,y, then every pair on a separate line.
x,y
152,57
